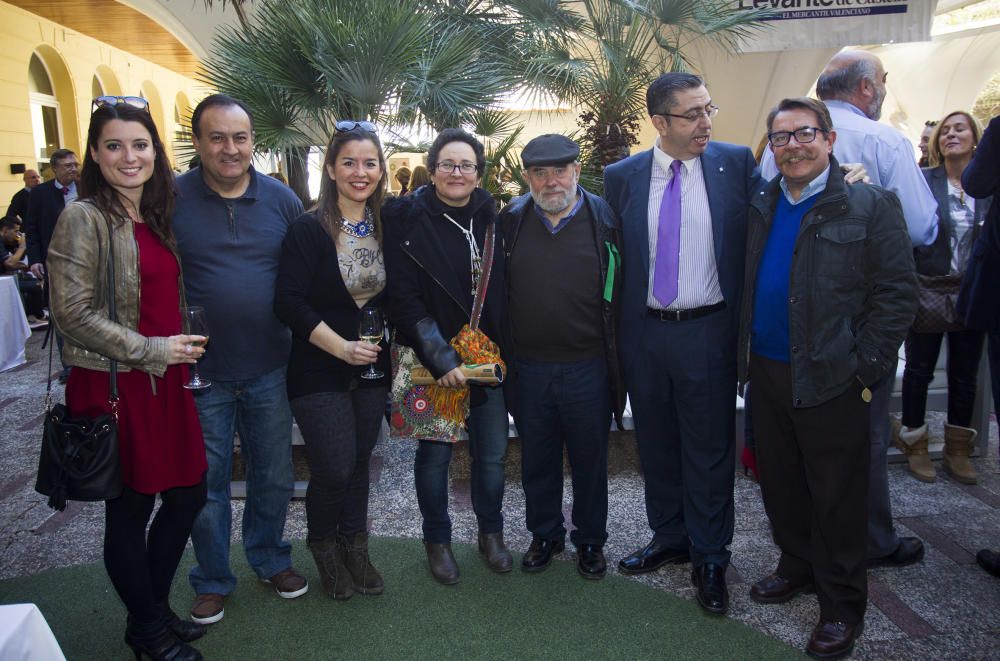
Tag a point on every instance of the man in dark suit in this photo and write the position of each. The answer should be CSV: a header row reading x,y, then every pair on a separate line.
x,y
44,206
46,203
683,206
19,203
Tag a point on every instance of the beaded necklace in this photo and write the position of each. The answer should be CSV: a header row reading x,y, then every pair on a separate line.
x,y
361,229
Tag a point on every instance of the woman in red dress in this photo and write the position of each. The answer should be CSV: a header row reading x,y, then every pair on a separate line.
x,y
126,201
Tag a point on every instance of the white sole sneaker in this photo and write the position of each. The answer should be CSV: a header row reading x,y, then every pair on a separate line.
x,y
211,619
288,595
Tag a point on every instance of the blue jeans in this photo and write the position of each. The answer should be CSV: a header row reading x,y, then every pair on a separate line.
x,y
488,426
258,410
564,404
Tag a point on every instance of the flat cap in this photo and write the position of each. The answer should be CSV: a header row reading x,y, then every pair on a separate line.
x,y
549,149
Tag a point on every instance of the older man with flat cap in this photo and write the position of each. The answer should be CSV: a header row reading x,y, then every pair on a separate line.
x,y
563,282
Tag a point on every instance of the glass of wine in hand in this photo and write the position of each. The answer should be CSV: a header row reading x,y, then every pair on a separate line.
x,y
370,330
196,323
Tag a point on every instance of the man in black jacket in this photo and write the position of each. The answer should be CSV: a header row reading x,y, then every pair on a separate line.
x,y
563,274
46,203
19,203
831,292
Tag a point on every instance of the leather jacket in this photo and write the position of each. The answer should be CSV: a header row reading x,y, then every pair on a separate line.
x,y
77,265
607,241
853,287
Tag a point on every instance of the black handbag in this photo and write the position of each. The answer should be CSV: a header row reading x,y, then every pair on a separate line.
x,y
79,458
937,303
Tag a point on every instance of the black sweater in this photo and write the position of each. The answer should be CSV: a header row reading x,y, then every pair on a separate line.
x,y
310,289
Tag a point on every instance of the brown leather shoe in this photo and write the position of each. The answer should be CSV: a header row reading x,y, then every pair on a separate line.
x,y
444,569
208,608
832,640
497,556
773,589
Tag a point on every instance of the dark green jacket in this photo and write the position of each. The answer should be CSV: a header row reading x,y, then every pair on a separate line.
x,y
853,287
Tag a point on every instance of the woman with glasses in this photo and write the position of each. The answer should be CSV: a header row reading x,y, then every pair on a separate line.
x,y
123,211
331,270
434,254
960,216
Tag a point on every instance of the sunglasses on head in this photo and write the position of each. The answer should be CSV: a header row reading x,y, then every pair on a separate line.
x,y
349,125
112,101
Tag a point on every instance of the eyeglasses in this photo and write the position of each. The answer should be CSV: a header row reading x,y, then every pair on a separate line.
x,y
449,167
112,101
345,125
693,116
803,136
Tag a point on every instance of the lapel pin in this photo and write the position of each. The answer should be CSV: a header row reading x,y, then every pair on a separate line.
x,y
721,170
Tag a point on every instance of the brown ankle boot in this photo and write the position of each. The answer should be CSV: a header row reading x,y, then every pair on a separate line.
x,y
366,578
497,556
913,443
957,448
336,578
444,569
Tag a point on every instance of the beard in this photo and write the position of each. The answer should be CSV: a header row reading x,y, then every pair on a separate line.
x,y
554,204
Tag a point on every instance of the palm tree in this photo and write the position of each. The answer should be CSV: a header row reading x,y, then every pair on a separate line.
x,y
622,45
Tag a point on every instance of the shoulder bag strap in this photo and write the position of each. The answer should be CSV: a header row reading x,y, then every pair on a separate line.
x,y
113,315
484,277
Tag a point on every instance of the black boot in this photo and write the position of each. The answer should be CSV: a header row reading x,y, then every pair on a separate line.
x,y
336,578
184,630
354,549
158,643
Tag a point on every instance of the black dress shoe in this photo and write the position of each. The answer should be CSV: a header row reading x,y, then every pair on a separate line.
x,y
590,562
651,557
832,640
712,594
539,554
773,589
909,551
990,561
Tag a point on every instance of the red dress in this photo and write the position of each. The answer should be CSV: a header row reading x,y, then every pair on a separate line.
x,y
160,439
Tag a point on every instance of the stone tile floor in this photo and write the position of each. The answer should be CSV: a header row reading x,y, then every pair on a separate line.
x,y
943,608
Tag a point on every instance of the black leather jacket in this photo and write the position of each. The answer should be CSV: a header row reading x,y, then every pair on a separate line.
x,y
607,241
853,287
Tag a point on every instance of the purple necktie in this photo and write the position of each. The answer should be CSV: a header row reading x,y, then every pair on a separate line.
x,y
668,239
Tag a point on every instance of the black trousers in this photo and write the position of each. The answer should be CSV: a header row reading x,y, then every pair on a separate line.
x,y
142,567
340,430
965,348
814,466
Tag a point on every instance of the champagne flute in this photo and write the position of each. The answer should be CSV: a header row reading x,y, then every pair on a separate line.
x,y
197,324
370,330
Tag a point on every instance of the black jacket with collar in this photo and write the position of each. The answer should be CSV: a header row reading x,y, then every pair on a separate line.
x,y
427,299
607,243
45,204
853,287
935,259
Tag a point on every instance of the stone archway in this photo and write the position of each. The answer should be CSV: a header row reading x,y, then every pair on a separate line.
x,y
55,102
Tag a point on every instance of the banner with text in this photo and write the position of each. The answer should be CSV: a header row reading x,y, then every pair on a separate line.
x,y
805,24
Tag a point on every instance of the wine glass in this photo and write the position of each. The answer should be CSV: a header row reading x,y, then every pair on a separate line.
x,y
197,324
370,330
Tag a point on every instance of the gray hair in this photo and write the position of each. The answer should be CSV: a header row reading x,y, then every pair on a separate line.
x,y
841,83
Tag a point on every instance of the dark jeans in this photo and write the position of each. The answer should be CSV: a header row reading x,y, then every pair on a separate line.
x,y
567,404
32,295
340,430
994,353
964,350
142,567
488,426
814,477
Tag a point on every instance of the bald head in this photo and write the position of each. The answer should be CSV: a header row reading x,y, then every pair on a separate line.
x,y
856,77
31,179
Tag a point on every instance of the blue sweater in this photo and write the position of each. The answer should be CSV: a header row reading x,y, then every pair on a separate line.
x,y
769,330
229,251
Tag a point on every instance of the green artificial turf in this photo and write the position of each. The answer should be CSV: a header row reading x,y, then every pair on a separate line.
x,y
553,615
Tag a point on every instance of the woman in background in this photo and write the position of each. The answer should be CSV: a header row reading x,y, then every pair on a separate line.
x,y
949,151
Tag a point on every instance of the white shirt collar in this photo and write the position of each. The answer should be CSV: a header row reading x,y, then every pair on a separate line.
x,y
815,186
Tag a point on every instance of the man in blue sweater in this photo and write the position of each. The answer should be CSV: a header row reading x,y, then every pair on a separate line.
x,y
831,292
229,223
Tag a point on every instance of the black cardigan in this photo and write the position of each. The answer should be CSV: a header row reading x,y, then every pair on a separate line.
x,y
309,289
427,265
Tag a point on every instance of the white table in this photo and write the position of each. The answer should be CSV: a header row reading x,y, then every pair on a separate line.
x,y
25,635
14,329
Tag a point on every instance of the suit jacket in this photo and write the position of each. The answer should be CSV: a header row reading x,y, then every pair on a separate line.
x,y
935,259
731,179
44,206
979,300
